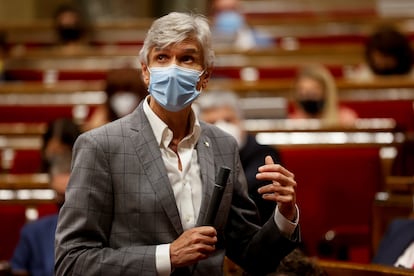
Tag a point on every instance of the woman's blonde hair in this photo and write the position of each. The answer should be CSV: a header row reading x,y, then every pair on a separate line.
x,y
324,77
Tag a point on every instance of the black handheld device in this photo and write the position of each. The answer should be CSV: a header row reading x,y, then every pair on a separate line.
x,y
221,181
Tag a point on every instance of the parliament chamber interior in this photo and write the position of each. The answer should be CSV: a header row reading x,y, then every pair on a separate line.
x,y
349,188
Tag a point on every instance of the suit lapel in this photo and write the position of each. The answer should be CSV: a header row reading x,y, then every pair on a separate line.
x,y
149,154
206,161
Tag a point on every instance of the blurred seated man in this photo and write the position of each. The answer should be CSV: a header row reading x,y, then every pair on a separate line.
x,y
124,90
223,110
34,253
397,245
315,97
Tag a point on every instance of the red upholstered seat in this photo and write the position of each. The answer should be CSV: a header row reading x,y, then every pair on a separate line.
x,y
13,217
402,111
26,161
336,187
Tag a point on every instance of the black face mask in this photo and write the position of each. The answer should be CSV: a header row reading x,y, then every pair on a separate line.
x,y
386,71
312,107
69,33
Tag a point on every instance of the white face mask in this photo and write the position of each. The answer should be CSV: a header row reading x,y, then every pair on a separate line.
x,y
123,103
231,129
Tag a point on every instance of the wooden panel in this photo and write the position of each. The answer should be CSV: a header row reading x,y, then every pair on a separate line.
x,y
337,268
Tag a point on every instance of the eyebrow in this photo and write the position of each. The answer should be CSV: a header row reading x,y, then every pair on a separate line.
x,y
190,50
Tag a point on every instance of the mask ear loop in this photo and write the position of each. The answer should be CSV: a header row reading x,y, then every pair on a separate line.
x,y
199,77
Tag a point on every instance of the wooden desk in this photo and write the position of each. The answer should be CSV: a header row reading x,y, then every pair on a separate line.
x,y
22,129
400,184
24,181
338,268
25,189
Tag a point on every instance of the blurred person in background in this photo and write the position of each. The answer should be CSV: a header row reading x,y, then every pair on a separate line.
x,y
222,108
124,90
58,141
397,245
34,253
387,52
230,28
315,97
70,29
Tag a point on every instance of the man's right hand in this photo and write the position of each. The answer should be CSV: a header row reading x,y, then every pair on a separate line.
x,y
193,245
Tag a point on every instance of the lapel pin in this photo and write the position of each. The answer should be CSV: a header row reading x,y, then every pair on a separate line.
x,y
206,144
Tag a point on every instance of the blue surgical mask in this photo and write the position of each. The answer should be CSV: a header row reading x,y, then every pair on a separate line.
x,y
174,87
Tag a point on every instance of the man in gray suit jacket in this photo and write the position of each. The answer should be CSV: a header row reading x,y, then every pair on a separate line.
x,y
140,186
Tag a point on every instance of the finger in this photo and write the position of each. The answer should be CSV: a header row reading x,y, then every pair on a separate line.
x,y
275,168
269,160
278,197
277,187
207,231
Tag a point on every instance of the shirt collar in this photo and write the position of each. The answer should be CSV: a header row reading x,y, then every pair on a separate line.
x,y
163,134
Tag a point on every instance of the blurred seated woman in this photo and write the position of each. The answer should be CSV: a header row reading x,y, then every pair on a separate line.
x,y
315,97
124,90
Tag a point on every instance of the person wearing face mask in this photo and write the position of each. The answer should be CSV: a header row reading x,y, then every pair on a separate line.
x,y
70,30
315,97
141,186
222,108
124,90
230,28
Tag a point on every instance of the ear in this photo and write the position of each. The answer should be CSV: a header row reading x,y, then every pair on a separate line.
x,y
205,77
145,74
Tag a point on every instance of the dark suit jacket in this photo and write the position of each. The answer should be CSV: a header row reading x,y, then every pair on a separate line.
x,y
120,205
399,235
252,156
34,252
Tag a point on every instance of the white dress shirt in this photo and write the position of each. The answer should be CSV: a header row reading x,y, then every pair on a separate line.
x,y
186,184
407,258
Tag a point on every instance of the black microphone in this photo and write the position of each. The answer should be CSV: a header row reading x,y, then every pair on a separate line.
x,y
221,181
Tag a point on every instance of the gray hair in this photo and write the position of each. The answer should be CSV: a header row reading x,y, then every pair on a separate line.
x,y
175,27
218,99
